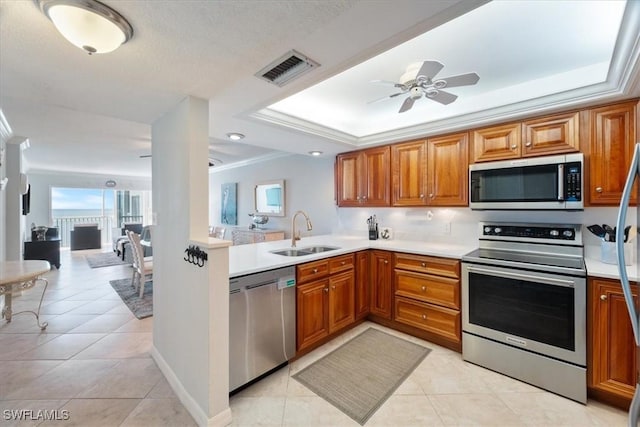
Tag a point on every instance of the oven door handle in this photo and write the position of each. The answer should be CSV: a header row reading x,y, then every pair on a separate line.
x,y
528,278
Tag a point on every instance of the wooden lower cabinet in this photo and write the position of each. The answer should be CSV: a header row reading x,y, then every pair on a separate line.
x,y
312,312
325,302
362,293
427,296
432,318
611,360
381,271
341,301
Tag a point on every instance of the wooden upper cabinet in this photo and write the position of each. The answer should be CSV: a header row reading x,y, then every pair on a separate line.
x,y
543,136
551,135
613,136
348,179
363,177
409,174
448,170
496,143
376,176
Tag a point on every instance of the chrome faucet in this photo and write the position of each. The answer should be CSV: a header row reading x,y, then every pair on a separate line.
x,y
295,237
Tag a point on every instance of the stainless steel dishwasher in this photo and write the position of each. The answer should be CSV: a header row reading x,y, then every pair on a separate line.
x,y
262,324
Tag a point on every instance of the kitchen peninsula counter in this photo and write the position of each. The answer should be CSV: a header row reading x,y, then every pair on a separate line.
x,y
253,258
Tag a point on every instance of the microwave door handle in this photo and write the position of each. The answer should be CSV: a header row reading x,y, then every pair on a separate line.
x,y
561,181
620,223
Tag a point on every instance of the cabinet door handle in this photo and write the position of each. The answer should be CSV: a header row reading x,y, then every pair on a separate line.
x,y
598,189
315,270
528,144
603,297
333,287
424,289
422,196
326,289
431,195
514,146
386,261
424,264
424,317
343,262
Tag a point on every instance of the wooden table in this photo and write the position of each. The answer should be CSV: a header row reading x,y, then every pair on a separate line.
x,y
18,276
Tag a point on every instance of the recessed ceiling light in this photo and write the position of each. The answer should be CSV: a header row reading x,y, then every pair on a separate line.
x,y
88,24
234,136
315,153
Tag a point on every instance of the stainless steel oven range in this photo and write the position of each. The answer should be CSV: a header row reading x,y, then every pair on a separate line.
x,y
524,302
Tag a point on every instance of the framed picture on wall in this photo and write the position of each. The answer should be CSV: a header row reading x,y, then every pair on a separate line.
x,y
228,204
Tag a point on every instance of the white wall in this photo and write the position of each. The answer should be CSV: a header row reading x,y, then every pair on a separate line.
x,y
460,225
42,181
183,329
5,134
309,186
14,220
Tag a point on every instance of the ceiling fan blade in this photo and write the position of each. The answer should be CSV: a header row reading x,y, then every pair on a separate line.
x,y
442,97
386,82
429,69
386,97
406,105
461,80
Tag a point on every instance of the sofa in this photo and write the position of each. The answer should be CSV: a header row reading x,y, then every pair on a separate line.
x,y
86,236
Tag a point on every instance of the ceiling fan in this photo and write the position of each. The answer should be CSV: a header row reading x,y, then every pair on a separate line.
x,y
419,80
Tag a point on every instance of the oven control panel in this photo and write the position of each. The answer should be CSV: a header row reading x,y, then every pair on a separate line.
x,y
529,232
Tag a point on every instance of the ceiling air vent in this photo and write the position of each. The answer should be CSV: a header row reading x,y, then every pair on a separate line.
x,y
286,68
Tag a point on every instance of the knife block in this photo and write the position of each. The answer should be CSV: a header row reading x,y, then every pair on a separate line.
x,y
373,234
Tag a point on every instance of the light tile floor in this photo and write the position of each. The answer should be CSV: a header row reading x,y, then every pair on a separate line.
x,y
93,361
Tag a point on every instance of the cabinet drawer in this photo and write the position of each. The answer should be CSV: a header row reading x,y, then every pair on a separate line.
x,y
312,270
341,263
437,320
425,287
428,264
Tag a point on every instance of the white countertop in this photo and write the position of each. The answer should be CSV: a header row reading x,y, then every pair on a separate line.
x,y
597,268
252,258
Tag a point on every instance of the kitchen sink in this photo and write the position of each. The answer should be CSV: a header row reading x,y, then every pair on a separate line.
x,y
317,249
304,251
291,252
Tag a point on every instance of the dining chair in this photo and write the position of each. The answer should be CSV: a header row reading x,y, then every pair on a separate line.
x,y
134,258
143,265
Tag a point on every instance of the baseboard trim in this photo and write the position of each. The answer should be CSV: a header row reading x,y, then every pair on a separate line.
x,y
221,419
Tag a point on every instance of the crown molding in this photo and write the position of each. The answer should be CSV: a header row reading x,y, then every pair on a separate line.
x,y
248,162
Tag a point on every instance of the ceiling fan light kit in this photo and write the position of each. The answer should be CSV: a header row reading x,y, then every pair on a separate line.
x,y
88,24
418,81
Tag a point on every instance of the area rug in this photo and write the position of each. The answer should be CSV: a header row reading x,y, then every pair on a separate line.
x,y
360,375
140,307
103,259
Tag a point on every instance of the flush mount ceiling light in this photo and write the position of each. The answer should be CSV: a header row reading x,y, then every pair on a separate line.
x,y
88,24
315,153
234,136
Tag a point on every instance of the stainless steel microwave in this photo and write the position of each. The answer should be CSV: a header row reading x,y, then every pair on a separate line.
x,y
542,183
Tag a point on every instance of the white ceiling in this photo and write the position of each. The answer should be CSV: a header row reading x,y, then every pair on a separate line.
x,y
93,113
